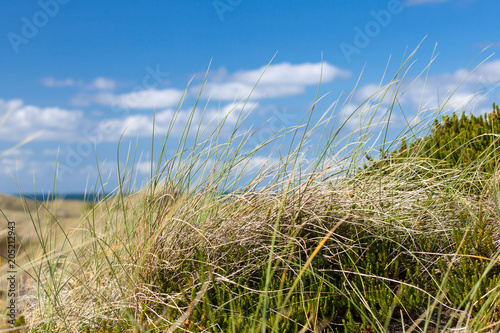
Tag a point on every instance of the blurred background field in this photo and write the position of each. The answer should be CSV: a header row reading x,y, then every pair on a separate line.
x,y
23,210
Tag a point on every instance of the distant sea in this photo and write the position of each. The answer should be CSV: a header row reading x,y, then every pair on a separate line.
x,y
89,197
64,196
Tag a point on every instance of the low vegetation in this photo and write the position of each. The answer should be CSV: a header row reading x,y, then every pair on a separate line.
x,y
409,242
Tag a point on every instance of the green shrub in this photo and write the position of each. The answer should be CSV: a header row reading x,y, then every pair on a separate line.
x,y
455,142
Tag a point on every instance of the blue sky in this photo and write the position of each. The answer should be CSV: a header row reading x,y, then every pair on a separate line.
x,y
80,73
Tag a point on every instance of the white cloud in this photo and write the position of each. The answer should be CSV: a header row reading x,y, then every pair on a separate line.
x,y
82,99
423,2
51,82
454,91
237,90
100,83
422,99
142,125
277,80
23,164
286,73
449,90
370,90
22,121
143,99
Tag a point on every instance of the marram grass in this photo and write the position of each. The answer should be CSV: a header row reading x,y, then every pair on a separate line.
x,y
324,246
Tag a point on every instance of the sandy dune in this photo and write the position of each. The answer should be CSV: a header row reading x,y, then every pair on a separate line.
x,y
26,213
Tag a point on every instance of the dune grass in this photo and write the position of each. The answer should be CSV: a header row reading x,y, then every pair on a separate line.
x,y
309,242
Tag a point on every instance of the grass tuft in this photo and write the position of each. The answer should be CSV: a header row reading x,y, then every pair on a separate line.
x,y
312,241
